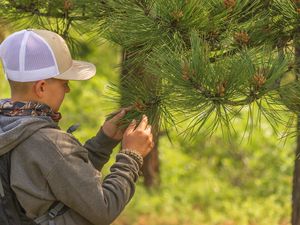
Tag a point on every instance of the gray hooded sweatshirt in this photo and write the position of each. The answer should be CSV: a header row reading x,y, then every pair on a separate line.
x,y
49,165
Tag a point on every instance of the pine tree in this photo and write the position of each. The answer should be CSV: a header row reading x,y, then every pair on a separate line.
x,y
190,60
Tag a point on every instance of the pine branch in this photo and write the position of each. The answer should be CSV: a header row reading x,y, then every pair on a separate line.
x,y
210,59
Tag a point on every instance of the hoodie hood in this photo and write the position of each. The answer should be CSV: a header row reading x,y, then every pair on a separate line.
x,y
14,130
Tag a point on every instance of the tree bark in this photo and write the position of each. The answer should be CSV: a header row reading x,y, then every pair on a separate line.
x,y
296,182
296,175
150,168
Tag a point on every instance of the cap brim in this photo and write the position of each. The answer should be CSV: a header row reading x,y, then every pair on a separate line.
x,y
80,70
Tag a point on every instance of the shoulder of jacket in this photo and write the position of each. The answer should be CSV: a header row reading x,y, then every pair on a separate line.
x,y
63,142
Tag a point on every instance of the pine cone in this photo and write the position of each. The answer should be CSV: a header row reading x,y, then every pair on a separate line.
x,y
139,106
186,71
177,15
221,88
259,80
68,4
242,38
229,4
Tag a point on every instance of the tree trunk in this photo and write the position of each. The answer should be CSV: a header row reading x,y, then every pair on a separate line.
x,y
150,169
296,175
296,183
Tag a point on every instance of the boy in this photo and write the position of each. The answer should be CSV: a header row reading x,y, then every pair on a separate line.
x,y
52,177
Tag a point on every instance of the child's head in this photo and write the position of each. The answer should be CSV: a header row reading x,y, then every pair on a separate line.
x,y
38,65
49,91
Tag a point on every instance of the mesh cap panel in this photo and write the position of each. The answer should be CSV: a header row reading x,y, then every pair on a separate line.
x,y
32,55
11,58
37,54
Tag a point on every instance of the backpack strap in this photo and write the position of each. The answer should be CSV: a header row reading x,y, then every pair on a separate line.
x,y
1,188
58,209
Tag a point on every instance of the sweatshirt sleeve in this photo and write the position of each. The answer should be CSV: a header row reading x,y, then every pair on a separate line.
x,y
75,182
100,148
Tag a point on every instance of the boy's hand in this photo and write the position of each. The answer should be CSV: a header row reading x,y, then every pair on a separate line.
x,y
111,128
138,138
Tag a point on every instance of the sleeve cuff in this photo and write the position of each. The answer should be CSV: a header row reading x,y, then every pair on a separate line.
x,y
104,140
129,164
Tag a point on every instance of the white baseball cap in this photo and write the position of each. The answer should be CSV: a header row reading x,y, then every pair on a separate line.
x,y
32,55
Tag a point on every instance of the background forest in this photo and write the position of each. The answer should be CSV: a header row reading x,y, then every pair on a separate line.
x,y
209,180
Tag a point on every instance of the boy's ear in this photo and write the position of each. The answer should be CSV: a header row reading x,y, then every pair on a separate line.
x,y
39,88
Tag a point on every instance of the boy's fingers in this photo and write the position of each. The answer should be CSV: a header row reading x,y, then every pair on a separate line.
x,y
130,128
118,116
127,109
143,124
115,116
152,145
148,129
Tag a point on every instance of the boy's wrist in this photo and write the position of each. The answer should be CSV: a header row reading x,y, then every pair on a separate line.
x,y
135,155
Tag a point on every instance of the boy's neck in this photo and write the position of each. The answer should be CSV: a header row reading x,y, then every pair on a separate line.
x,y
22,99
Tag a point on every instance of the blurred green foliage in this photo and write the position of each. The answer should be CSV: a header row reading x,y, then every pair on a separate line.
x,y
210,181
215,182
